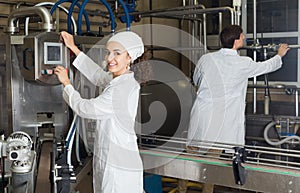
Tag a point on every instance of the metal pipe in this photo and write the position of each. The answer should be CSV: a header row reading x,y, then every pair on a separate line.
x,y
59,6
42,12
272,47
254,55
296,102
204,26
282,141
184,7
227,155
178,17
187,12
220,22
257,149
204,31
294,46
237,7
277,86
191,30
5,2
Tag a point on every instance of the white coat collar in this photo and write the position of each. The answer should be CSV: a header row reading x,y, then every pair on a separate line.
x,y
228,51
122,77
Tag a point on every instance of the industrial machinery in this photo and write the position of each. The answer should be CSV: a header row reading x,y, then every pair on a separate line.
x,y
18,163
36,117
19,146
42,52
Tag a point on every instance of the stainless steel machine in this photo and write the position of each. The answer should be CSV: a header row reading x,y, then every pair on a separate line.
x,y
31,102
41,53
31,96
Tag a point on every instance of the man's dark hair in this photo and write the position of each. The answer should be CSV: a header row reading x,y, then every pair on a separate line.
x,y
229,34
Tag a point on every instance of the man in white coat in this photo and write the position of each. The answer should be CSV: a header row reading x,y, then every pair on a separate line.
x,y
222,77
117,166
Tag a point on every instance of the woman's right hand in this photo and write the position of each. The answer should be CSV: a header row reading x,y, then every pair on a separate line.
x,y
68,40
62,75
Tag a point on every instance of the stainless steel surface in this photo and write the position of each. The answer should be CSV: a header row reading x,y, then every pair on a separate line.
x,y
23,101
209,170
42,12
34,53
268,169
5,91
57,17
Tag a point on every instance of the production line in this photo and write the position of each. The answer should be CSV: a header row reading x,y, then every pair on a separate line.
x,y
37,116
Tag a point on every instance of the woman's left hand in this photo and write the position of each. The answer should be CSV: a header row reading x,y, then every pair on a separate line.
x,y
62,74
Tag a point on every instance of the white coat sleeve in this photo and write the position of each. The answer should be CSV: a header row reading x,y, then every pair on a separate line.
x,y
92,71
197,75
96,108
259,68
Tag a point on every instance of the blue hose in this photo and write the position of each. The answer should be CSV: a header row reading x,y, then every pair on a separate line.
x,y
71,8
126,14
70,13
111,14
79,20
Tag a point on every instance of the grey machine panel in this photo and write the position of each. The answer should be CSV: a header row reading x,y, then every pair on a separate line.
x,y
32,96
41,54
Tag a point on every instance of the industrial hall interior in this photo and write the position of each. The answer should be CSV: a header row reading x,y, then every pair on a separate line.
x,y
149,96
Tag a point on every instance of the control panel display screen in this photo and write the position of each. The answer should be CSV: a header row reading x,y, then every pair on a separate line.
x,y
53,53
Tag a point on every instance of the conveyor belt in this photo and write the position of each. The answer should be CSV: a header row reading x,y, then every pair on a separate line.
x,y
262,175
200,169
268,169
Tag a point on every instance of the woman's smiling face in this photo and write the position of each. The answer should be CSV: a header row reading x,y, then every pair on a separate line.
x,y
117,58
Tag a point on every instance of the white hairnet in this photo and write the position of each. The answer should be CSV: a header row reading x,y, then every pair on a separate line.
x,y
131,42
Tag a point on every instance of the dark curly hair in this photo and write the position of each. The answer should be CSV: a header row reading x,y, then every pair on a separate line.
x,y
142,68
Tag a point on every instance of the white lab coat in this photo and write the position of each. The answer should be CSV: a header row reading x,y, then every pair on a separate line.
x,y
217,114
117,166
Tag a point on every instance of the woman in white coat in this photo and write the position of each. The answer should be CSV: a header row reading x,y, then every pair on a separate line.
x,y
117,166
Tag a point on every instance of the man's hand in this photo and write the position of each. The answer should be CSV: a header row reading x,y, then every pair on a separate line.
x,y
283,49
